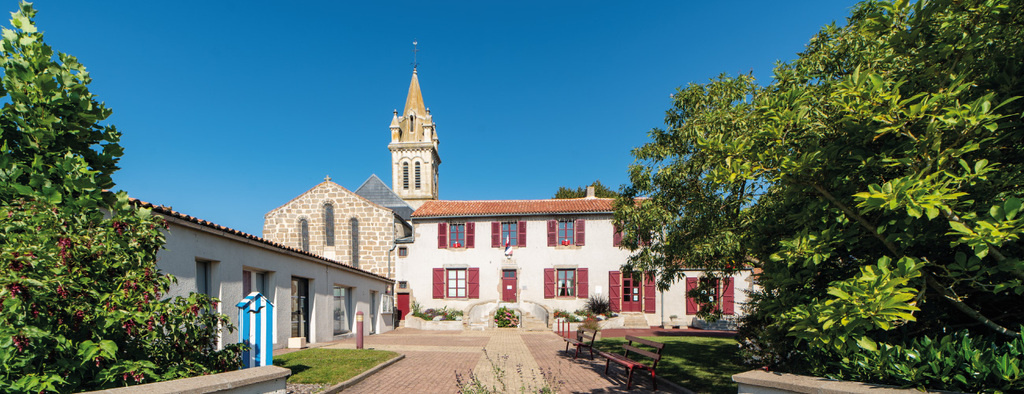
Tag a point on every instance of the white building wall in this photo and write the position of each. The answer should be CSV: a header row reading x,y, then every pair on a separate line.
x,y
598,255
229,254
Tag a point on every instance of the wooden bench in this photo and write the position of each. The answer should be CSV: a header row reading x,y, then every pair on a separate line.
x,y
632,364
581,341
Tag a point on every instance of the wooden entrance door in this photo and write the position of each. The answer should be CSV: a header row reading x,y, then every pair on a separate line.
x,y
631,299
509,284
403,305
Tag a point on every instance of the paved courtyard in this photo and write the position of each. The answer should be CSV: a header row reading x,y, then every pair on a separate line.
x,y
433,359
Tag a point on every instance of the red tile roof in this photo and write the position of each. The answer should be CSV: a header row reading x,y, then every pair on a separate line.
x,y
162,210
513,207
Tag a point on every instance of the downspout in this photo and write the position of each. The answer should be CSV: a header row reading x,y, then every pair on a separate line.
x,y
662,292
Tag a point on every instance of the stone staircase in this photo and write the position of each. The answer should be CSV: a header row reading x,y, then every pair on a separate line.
x,y
531,323
634,320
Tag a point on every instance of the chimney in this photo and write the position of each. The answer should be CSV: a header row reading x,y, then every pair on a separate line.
x,y
590,192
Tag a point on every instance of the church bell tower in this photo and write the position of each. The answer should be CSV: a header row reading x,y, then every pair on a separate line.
x,y
414,158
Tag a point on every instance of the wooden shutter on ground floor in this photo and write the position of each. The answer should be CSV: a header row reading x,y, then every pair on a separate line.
x,y
691,304
495,235
552,232
582,283
581,233
438,282
522,233
616,236
470,234
615,290
549,283
473,283
442,236
728,307
650,294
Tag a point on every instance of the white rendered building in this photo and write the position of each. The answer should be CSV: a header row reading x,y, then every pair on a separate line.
x,y
315,298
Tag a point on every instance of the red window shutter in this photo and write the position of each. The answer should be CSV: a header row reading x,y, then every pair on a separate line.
x,y
473,283
728,301
495,235
580,232
552,232
522,233
438,282
617,236
691,304
470,234
549,283
442,236
650,294
582,283
615,290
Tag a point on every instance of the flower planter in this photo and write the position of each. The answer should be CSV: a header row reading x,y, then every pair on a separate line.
x,y
433,325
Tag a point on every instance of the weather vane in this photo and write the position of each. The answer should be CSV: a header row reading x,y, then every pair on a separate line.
x,y
414,50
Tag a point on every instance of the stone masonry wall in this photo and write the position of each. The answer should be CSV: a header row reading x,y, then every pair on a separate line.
x,y
376,226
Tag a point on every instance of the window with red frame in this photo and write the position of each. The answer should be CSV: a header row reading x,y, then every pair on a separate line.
x,y
457,235
566,232
566,283
510,233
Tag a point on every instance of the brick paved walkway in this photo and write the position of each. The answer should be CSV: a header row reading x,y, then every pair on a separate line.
x,y
432,359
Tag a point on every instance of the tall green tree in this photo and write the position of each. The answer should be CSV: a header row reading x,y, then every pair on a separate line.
x,y
600,191
80,294
877,181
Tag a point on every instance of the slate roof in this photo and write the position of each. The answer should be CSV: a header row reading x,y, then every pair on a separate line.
x,y
513,207
379,193
167,211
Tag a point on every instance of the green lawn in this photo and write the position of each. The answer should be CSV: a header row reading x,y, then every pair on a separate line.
x,y
704,365
330,366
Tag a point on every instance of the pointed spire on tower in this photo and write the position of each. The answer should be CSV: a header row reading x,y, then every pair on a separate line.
x,y
414,101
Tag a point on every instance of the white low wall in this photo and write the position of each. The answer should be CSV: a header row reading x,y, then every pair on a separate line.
x,y
269,379
761,382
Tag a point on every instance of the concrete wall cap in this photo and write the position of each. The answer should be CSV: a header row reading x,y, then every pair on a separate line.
x,y
207,383
774,382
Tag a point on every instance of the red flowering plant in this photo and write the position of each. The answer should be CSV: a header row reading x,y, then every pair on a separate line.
x,y
81,298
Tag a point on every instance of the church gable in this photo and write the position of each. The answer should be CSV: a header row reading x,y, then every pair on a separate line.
x,y
332,221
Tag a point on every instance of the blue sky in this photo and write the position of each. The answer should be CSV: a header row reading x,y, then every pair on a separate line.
x,y
229,109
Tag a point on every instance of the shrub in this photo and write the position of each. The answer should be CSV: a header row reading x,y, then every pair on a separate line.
x,y
951,362
599,305
505,317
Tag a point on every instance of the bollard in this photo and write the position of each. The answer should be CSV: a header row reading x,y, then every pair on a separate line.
x,y
359,330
